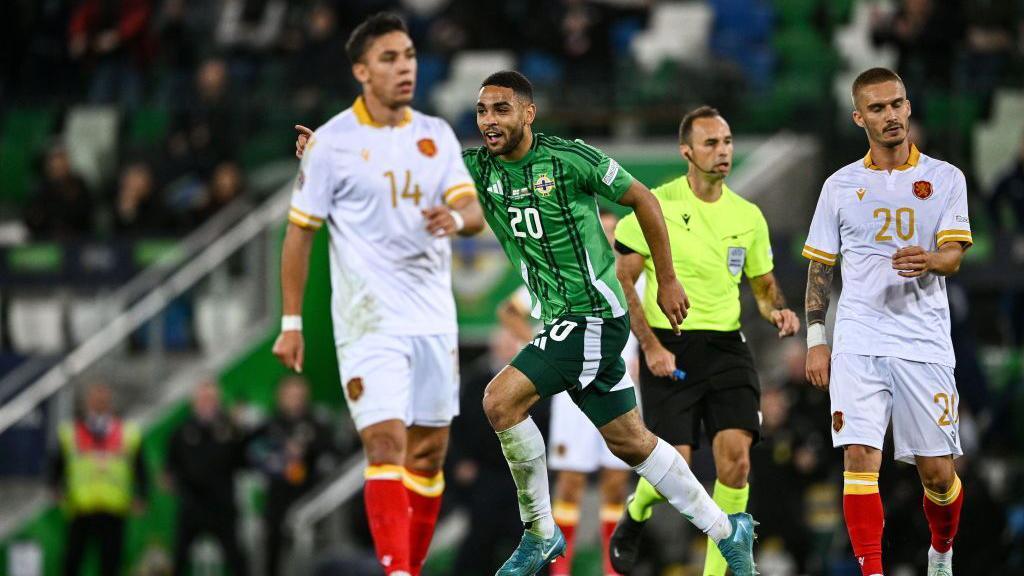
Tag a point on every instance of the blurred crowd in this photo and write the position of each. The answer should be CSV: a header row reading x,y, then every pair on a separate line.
x,y
100,477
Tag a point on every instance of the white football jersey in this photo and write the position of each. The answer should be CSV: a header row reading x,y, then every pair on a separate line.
x,y
865,214
370,182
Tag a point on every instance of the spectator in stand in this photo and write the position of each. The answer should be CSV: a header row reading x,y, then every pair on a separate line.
x,y
61,207
1007,202
293,450
248,30
313,71
927,35
99,478
990,44
185,31
111,38
226,185
202,458
207,130
138,210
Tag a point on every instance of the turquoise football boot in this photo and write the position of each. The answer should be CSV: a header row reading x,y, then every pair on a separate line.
x,y
738,548
532,554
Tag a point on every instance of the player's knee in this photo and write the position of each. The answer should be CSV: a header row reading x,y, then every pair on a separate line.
x,y
384,448
733,472
936,477
427,456
494,409
862,458
631,449
569,486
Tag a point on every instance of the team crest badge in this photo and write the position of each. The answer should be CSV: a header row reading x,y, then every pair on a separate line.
x,y
427,147
837,421
544,185
923,189
354,389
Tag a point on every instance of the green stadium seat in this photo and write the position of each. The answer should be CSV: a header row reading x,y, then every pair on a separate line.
x,y
25,132
148,126
802,49
795,12
947,114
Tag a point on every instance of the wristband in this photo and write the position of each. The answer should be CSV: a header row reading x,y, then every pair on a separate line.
x,y
460,222
816,335
291,323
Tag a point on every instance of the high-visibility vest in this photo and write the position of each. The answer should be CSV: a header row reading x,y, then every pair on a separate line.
x,y
98,472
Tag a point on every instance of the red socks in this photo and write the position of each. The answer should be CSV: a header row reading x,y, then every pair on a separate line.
x,y
567,516
387,508
610,514
943,514
424,492
862,507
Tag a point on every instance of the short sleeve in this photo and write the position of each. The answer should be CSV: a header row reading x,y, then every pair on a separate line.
x,y
954,223
629,235
760,260
604,176
822,243
457,182
314,187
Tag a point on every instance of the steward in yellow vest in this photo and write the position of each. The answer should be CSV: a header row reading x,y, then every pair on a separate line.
x,y
99,478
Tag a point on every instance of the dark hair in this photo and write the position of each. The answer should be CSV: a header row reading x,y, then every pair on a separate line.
x,y
519,84
686,126
369,30
874,76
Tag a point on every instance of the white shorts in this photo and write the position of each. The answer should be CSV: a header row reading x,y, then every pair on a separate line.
x,y
575,444
920,398
410,378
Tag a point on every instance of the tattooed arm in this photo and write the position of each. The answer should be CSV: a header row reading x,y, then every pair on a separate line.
x,y
772,304
819,355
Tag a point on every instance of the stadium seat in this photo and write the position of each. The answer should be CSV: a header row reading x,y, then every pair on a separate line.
x,y
540,68
91,138
85,317
25,133
36,324
796,12
457,93
148,126
679,31
995,147
219,319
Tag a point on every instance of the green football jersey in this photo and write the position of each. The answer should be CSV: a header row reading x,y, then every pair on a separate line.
x,y
543,209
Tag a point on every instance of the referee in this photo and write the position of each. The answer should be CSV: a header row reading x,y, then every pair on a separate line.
x,y
717,237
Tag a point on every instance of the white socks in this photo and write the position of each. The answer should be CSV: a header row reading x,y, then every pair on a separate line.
x,y
523,447
666,470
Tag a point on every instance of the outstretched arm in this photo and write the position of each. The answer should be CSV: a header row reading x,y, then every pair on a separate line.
x,y
819,356
671,296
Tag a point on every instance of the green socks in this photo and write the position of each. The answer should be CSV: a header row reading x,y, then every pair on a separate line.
x,y
731,500
641,506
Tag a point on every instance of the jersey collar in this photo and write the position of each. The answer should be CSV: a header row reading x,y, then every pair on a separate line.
x,y
912,160
363,115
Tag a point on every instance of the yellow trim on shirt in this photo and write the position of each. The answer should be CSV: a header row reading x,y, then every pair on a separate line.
x,y
363,115
912,160
458,191
820,256
946,236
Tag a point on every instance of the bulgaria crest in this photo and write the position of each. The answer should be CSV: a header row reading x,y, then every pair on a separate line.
x,y
922,189
427,147
544,185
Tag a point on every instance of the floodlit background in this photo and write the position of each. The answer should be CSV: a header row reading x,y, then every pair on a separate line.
x,y
145,160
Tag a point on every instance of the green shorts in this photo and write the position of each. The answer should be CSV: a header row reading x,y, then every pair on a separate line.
x,y
582,356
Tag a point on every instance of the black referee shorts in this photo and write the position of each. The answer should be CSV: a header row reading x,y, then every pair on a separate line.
x,y
721,389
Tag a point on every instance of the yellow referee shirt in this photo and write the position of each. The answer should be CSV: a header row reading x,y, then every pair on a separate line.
x,y
713,245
